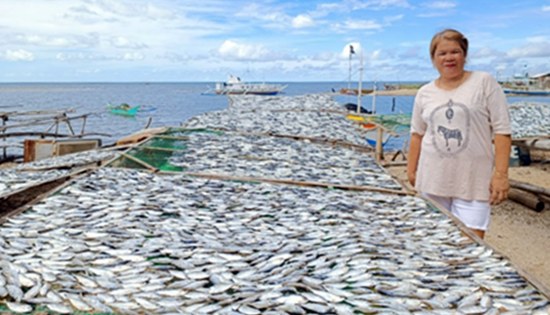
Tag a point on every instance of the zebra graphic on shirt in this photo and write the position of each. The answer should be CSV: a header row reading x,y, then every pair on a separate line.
x,y
450,134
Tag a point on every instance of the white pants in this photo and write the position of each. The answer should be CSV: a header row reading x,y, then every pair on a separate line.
x,y
473,213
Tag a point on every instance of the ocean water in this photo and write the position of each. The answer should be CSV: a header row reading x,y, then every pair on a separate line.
x,y
174,103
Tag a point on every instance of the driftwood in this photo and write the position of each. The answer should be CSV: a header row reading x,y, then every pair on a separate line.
x,y
527,199
530,188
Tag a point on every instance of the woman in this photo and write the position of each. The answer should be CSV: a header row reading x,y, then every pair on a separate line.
x,y
460,136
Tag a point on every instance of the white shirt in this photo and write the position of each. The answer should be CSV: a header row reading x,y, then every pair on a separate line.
x,y
457,155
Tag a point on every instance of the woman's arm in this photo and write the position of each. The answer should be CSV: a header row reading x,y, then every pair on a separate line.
x,y
413,156
499,182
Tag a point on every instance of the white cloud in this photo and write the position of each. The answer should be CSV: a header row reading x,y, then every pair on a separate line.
x,y
392,19
535,48
123,42
18,55
302,21
234,51
379,4
440,5
359,25
133,56
546,8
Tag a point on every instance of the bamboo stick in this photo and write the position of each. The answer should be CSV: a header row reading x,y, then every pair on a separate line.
x,y
298,183
171,137
140,162
530,187
51,134
526,198
159,149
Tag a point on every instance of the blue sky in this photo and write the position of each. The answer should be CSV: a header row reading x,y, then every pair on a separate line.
x,y
261,40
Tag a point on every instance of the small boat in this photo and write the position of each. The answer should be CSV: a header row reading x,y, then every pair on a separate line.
x,y
527,92
347,91
123,109
234,85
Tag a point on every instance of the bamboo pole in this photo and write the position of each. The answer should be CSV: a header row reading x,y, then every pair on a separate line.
x,y
140,162
4,118
299,183
526,198
50,134
171,137
530,187
379,150
159,149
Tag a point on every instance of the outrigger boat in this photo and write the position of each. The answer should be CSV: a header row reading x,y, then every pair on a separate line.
x,y
123,109
234,85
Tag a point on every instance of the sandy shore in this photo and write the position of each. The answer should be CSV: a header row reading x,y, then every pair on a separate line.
x,y
398,92
517,232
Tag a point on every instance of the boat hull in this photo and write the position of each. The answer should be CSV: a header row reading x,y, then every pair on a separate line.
x,y
528,92
131,112
222,92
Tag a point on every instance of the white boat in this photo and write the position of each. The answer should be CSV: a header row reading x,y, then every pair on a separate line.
x,y
234,85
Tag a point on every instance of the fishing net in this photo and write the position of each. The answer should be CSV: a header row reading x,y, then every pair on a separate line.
x,y
156,152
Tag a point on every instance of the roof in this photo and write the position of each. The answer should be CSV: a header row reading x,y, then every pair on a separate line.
x,y
540,75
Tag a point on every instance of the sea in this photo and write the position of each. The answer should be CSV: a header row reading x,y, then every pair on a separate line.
x,y
165,104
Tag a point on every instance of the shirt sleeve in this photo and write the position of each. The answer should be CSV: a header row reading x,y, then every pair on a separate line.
x,y
499,114
417,123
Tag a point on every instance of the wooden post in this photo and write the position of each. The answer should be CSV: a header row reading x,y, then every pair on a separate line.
x,y
4,118
379,138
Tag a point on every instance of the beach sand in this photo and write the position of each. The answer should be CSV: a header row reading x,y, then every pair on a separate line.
x,y
517,232
398,92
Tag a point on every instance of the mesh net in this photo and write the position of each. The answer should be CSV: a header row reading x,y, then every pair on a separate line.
x,y
156,152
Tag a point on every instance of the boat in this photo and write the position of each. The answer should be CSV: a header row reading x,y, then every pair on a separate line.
x,y
536,85
350,91
234,85
123,109
527,92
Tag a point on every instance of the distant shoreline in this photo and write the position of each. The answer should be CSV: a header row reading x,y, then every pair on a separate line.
x,y
397,92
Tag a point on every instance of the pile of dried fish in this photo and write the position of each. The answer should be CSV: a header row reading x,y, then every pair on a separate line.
x,y
12,180
279,158
72,160
133,242
26,175
312,124
316,102
530,119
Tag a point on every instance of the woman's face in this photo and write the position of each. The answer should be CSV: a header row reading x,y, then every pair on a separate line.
x,y
449,59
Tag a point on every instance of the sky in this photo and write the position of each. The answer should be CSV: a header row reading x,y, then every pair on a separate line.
x,y
263,40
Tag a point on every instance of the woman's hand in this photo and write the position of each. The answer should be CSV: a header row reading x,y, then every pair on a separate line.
x,y
411,176
499,188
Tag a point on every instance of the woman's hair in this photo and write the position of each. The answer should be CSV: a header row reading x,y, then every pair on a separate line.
x,y
452,35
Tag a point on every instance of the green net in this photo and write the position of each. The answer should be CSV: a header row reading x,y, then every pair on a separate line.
x,y
395,122
156,152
